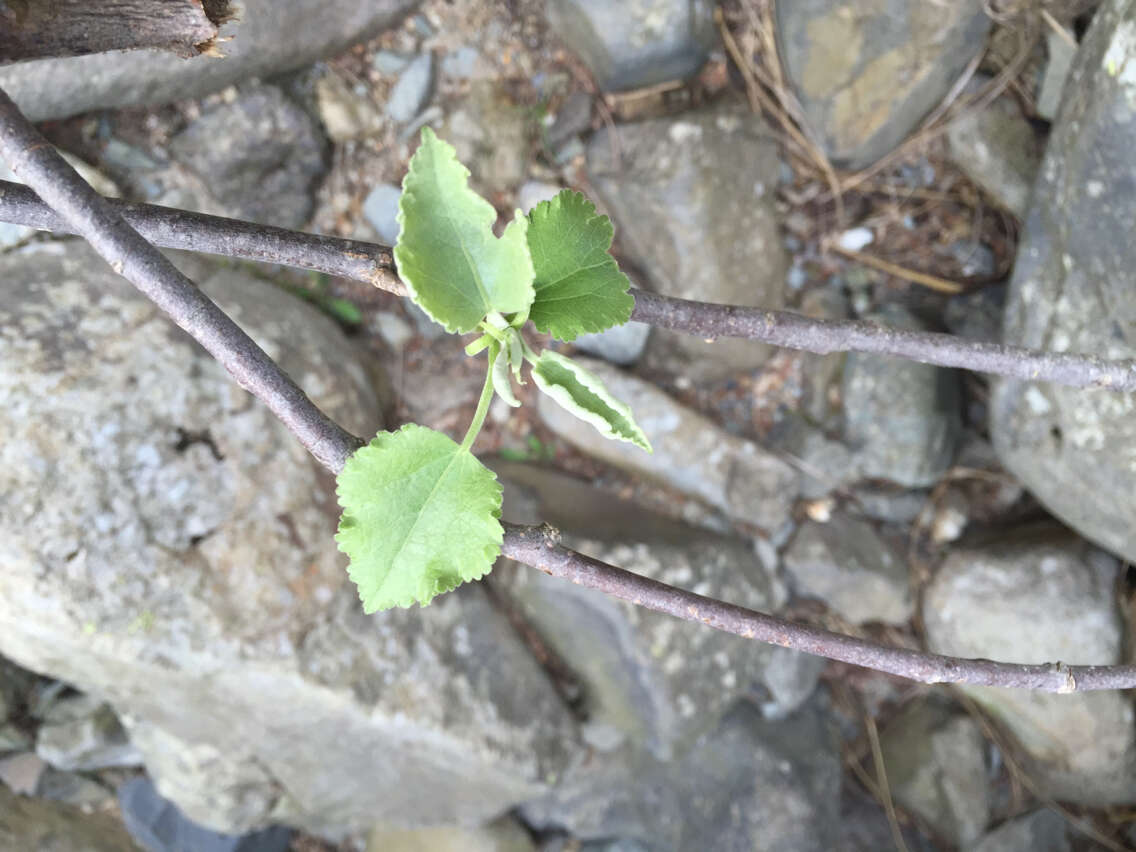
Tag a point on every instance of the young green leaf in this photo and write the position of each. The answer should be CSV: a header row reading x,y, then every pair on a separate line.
x,y
584,395
455,268
579,287
420,517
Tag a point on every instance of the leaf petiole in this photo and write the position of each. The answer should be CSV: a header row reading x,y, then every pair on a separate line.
x,y
479,345
483,403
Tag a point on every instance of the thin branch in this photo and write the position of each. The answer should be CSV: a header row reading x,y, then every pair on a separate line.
x,y
37,162
128,253
794,331
539,547
181,229
372,264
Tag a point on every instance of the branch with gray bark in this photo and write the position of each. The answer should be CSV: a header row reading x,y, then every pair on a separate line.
x,y
85,212
373,264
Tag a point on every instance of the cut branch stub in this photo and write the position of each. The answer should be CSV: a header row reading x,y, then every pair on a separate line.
x,y
35,29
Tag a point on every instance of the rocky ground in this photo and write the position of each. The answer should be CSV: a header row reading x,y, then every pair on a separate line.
x,y
184,662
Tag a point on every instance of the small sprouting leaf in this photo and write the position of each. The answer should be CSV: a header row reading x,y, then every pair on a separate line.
x,y
420,517
579,288
454,267
584,395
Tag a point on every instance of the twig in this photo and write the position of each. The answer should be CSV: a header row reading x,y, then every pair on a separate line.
x,y
181,229
931,282
882,781
784,328
37,162
538,547
371,264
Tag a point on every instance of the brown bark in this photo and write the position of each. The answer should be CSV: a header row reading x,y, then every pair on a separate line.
x,y
33,29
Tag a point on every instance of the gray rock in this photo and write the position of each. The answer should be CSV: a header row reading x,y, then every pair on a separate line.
x,y
92,740
258,157
1041,831
750,784
462,63
978,314
1060,61
1075,450
697,227
158,826
268,37
936,767
13,738
1043,598
573,118
867,72
380,209
825,465
638,43
412,91
389,62
344,113
53,827
748,483
534,191
901,418
844,563
623,344
647,679
491,134
142,502
999,150
505,835
888,504
21,773
73,789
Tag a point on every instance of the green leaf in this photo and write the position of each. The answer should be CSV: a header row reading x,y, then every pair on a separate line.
x,y
455,268
420,517
579,287
584,395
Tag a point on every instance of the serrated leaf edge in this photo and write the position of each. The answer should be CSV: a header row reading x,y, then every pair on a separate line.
x,y
544,209
595,384
489,553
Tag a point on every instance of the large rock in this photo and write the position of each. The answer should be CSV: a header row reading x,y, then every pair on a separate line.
x,y
693,202
936,767
999,150
749,784
1043,598
268,37
844,563
491,134
259,157
639,43
691,454
1041,831
868,71
166,545
901,418
1071,292
27,824
648,679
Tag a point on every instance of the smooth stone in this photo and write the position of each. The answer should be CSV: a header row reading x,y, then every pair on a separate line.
x,y
901,418
697,228
622,345
636,44
1041,831
844,563
936,766
1075,449
380,209
750,484
413,89
868,71
1043,596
